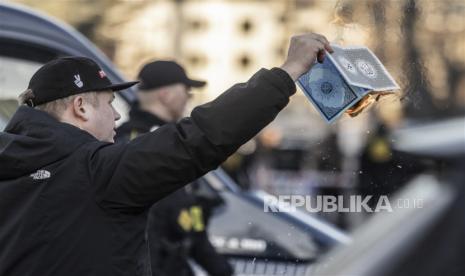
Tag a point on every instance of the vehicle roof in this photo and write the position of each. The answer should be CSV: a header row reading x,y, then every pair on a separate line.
x,y
20,23
439,139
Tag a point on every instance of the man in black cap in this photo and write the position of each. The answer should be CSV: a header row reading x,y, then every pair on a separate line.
x,y
162,97
74,203
176,229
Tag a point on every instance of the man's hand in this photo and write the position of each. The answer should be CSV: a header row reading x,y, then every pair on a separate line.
x,y
303,51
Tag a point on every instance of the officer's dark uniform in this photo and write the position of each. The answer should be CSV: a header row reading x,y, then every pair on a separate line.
x,y
378,159
176,229
73,205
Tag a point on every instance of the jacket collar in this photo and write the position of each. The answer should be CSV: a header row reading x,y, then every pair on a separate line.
x,y
143,119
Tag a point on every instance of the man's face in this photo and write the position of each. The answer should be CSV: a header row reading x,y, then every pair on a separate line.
x,y
101,123
176,99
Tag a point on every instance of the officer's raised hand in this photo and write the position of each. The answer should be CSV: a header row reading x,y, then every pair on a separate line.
x,y
303,50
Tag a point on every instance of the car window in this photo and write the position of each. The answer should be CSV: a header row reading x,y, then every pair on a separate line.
x,y
14,75
2,123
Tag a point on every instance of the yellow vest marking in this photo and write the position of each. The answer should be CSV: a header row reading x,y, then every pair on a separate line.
x,y
191,219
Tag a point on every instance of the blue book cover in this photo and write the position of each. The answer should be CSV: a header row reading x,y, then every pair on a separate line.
x,y
327,90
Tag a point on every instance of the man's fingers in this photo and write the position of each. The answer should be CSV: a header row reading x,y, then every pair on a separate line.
x,y
318,44
321,45
321,38
321,56
303,51
329,48
325,41
319,50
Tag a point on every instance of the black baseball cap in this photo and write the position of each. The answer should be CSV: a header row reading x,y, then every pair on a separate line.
x,y
68,76
161,72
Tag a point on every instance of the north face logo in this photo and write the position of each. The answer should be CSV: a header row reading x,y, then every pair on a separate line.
x,y
77,81
40,174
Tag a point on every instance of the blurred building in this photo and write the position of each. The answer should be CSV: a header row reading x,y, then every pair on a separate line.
x,y
421,42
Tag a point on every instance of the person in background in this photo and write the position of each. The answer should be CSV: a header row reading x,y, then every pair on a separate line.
x,y
383,169
177,225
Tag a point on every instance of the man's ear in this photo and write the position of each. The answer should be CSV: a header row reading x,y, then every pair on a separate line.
x,y
80,108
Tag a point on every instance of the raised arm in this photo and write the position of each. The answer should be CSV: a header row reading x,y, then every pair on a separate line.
x,y
155,164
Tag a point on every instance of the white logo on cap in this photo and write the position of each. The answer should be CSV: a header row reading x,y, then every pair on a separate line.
x,y
77,81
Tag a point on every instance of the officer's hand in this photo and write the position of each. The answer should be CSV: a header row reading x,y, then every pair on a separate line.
x,y
303,51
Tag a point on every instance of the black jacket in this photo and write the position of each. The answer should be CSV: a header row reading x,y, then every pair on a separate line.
x,y
72,205
176,232
139,122
176,227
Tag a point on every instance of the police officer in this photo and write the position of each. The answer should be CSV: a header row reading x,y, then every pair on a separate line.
x,y
176,230
74,203
163,92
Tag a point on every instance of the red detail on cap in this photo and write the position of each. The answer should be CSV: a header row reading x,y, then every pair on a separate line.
x,y
102,74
